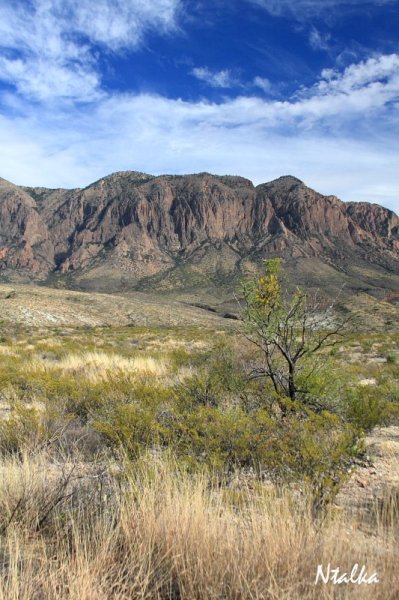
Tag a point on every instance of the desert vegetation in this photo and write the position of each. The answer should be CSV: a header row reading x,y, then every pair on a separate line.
x,y
150,462
156,531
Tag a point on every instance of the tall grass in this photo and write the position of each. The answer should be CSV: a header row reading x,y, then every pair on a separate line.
x,y
158,533
97,367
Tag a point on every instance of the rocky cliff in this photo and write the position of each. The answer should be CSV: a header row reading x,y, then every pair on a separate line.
x,y
178,232
25,242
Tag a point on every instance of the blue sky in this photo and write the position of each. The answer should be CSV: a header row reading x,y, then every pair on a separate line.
x,y
259,88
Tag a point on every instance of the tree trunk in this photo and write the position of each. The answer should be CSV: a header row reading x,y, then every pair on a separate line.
x,y
291,381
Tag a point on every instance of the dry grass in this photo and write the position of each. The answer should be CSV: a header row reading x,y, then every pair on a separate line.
x,y
98,367
172,343
7,351
166,535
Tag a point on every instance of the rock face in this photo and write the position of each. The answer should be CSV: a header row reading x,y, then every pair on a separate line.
x,y
24,237
378,221
132,229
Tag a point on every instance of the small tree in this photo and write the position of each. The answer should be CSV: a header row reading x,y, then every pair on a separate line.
x,y
290,330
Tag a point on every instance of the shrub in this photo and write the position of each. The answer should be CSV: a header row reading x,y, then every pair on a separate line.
x,y
132,427
365,408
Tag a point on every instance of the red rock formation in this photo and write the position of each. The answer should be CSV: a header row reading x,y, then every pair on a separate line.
x,y
140,225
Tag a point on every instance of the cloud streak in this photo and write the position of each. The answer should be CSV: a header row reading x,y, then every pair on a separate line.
x,y
263,83
303,10
318,40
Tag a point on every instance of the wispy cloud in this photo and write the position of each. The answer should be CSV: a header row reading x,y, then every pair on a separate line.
x,y
117,24
225,79
217,79
305,9
263,83
310,135
48,47
319,40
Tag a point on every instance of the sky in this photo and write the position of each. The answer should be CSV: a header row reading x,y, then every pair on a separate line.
x,y
258,88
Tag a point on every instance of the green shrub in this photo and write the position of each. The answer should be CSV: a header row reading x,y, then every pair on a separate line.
x,y
134,418
209,436
214,382
365,408
131,427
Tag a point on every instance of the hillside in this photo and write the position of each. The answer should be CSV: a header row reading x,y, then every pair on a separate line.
x,y
40,306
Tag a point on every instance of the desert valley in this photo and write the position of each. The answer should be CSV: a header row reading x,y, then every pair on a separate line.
x,y
199,384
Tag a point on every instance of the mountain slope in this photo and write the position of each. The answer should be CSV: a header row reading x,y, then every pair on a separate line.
x,y
196,233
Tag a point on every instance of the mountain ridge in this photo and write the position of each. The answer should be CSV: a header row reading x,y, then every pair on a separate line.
x,y
132,230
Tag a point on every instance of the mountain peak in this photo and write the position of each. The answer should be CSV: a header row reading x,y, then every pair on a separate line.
x,y
285,180
129,176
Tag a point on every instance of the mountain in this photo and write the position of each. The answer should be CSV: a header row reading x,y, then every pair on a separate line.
x,y
197,235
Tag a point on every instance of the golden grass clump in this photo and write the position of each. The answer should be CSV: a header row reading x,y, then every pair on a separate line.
x,y
7,351
97,367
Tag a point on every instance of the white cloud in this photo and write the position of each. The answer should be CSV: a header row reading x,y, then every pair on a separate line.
x,y
44,80
383,69
217,79
359,90
158,135
48,46
339,135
